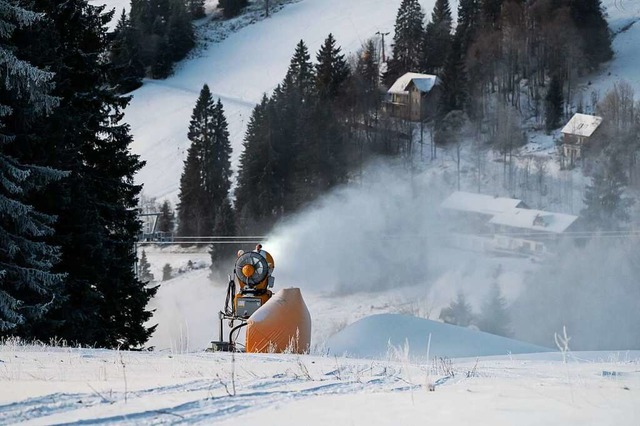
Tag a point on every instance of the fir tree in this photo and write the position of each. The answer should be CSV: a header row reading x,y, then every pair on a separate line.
x,y
196,8
128,70
606,208
494,314
103,303
167,272
300,75
28,288
589,17
454,80
468,17
406,40
459,312
205,182
553,104
436,42
144,269
166,220
225,226
231,8
332,70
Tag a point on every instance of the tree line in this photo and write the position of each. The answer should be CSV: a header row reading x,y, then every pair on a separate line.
x,y
68,200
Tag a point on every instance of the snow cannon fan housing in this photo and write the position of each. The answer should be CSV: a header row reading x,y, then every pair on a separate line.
x,y
253,274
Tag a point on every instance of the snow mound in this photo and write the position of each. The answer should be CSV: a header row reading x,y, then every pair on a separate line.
x,y
377,336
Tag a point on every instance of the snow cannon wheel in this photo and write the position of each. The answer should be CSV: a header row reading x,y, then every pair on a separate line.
x,y
221,347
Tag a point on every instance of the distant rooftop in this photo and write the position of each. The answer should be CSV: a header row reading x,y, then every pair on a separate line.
x,y
424,83
537,220
480,203
582,125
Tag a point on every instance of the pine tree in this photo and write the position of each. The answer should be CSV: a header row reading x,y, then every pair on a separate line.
x,y
589,17
225,226
406,40
606,208
494,315
300,75
454,80
255,204
144,269
166,220
196,8
553,104
167,272
332,70
128,70
28,288
206,179
459,312
491,12
103,303
231,8
468,17
437,39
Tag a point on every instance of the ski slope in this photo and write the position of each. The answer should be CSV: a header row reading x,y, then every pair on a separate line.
x,y
239,70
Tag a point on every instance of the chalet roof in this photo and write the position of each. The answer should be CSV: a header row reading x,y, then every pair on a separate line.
x,y
582,125
480,203
424,83
537,220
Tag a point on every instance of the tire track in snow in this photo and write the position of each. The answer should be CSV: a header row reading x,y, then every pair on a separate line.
x,y
260,395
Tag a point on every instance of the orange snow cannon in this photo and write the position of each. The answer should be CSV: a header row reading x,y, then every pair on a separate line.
x,y
274,324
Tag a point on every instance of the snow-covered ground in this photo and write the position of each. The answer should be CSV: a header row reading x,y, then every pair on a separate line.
x,y
43,385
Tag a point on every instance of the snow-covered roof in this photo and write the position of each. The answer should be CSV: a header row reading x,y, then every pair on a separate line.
x,y
480,203
582,125
424,83
537,220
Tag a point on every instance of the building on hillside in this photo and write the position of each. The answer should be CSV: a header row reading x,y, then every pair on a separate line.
x,y
578,132
502,225
530,232
468,215
413,96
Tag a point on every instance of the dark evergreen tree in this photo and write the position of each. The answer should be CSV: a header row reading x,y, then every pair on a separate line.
x,y
459,312
257,182
166,220
231,8
589,18
144,269
332,70
407,40
163,34
167,272
205,181
491,12
436,42
225,226
128,69
196,8
553,104
454,80
28,288
103,303
468,21
494,314
606,208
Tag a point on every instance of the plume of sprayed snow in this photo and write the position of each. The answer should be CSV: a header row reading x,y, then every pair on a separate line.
x,y
382,233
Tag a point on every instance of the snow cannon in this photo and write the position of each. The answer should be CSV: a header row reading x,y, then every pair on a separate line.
x,y
274,323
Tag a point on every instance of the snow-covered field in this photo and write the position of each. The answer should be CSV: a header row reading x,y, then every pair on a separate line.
x,y
399,377
41,385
